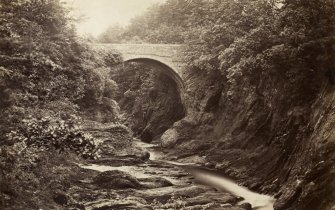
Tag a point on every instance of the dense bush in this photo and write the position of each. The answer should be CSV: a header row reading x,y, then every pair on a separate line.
x,y
45,73
42,59
44,67
50,133
32,176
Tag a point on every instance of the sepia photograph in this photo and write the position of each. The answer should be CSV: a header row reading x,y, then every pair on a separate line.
x,y
167,104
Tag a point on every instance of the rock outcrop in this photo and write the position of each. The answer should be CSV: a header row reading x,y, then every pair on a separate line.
x,y
273,132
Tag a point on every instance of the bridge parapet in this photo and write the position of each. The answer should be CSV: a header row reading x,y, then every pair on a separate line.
x,y
168,54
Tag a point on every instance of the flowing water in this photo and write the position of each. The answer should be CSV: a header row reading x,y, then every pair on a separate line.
x,y
257,201
202,175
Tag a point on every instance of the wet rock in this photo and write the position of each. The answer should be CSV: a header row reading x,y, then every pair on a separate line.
x,y
60,199
289,196
164,194
106,204
169,138
120,160
155,182
255,186
246,206
145,156
116,180
90,195
199,200
212,197
210,165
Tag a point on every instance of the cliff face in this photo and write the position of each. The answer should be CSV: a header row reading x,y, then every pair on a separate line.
x,y
272,131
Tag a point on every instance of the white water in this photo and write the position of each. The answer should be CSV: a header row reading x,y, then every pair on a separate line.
x,y
257,201
154,154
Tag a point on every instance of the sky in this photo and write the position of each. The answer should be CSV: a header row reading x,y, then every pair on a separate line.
x,y
99,14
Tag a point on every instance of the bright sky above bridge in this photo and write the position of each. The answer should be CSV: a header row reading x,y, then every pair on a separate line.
x,y
99,14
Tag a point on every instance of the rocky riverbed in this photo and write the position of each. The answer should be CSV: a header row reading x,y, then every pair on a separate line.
x,y
131,179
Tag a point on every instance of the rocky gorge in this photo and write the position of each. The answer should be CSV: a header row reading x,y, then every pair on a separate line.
x,y
233,108
271,142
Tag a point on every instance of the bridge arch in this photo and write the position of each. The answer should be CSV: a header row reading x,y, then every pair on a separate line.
x,y
168,60
165,68
162,103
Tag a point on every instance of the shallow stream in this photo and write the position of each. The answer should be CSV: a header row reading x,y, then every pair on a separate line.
x,y
185,174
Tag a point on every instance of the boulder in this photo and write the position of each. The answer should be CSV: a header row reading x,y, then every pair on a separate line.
x,y
169,138
116,180
60,199
155,182
246,206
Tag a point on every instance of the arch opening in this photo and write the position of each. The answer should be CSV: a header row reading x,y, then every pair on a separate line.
x,y
167,69
150,97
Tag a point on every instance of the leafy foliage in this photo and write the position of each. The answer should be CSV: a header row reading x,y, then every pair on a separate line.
x,y
37,43
45,73
60,135
43,62
250,40
162,23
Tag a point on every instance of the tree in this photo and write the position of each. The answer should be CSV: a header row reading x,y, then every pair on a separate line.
x,y
113,34
45,70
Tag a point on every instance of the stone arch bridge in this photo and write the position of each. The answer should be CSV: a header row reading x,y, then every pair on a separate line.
x,y
169,57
